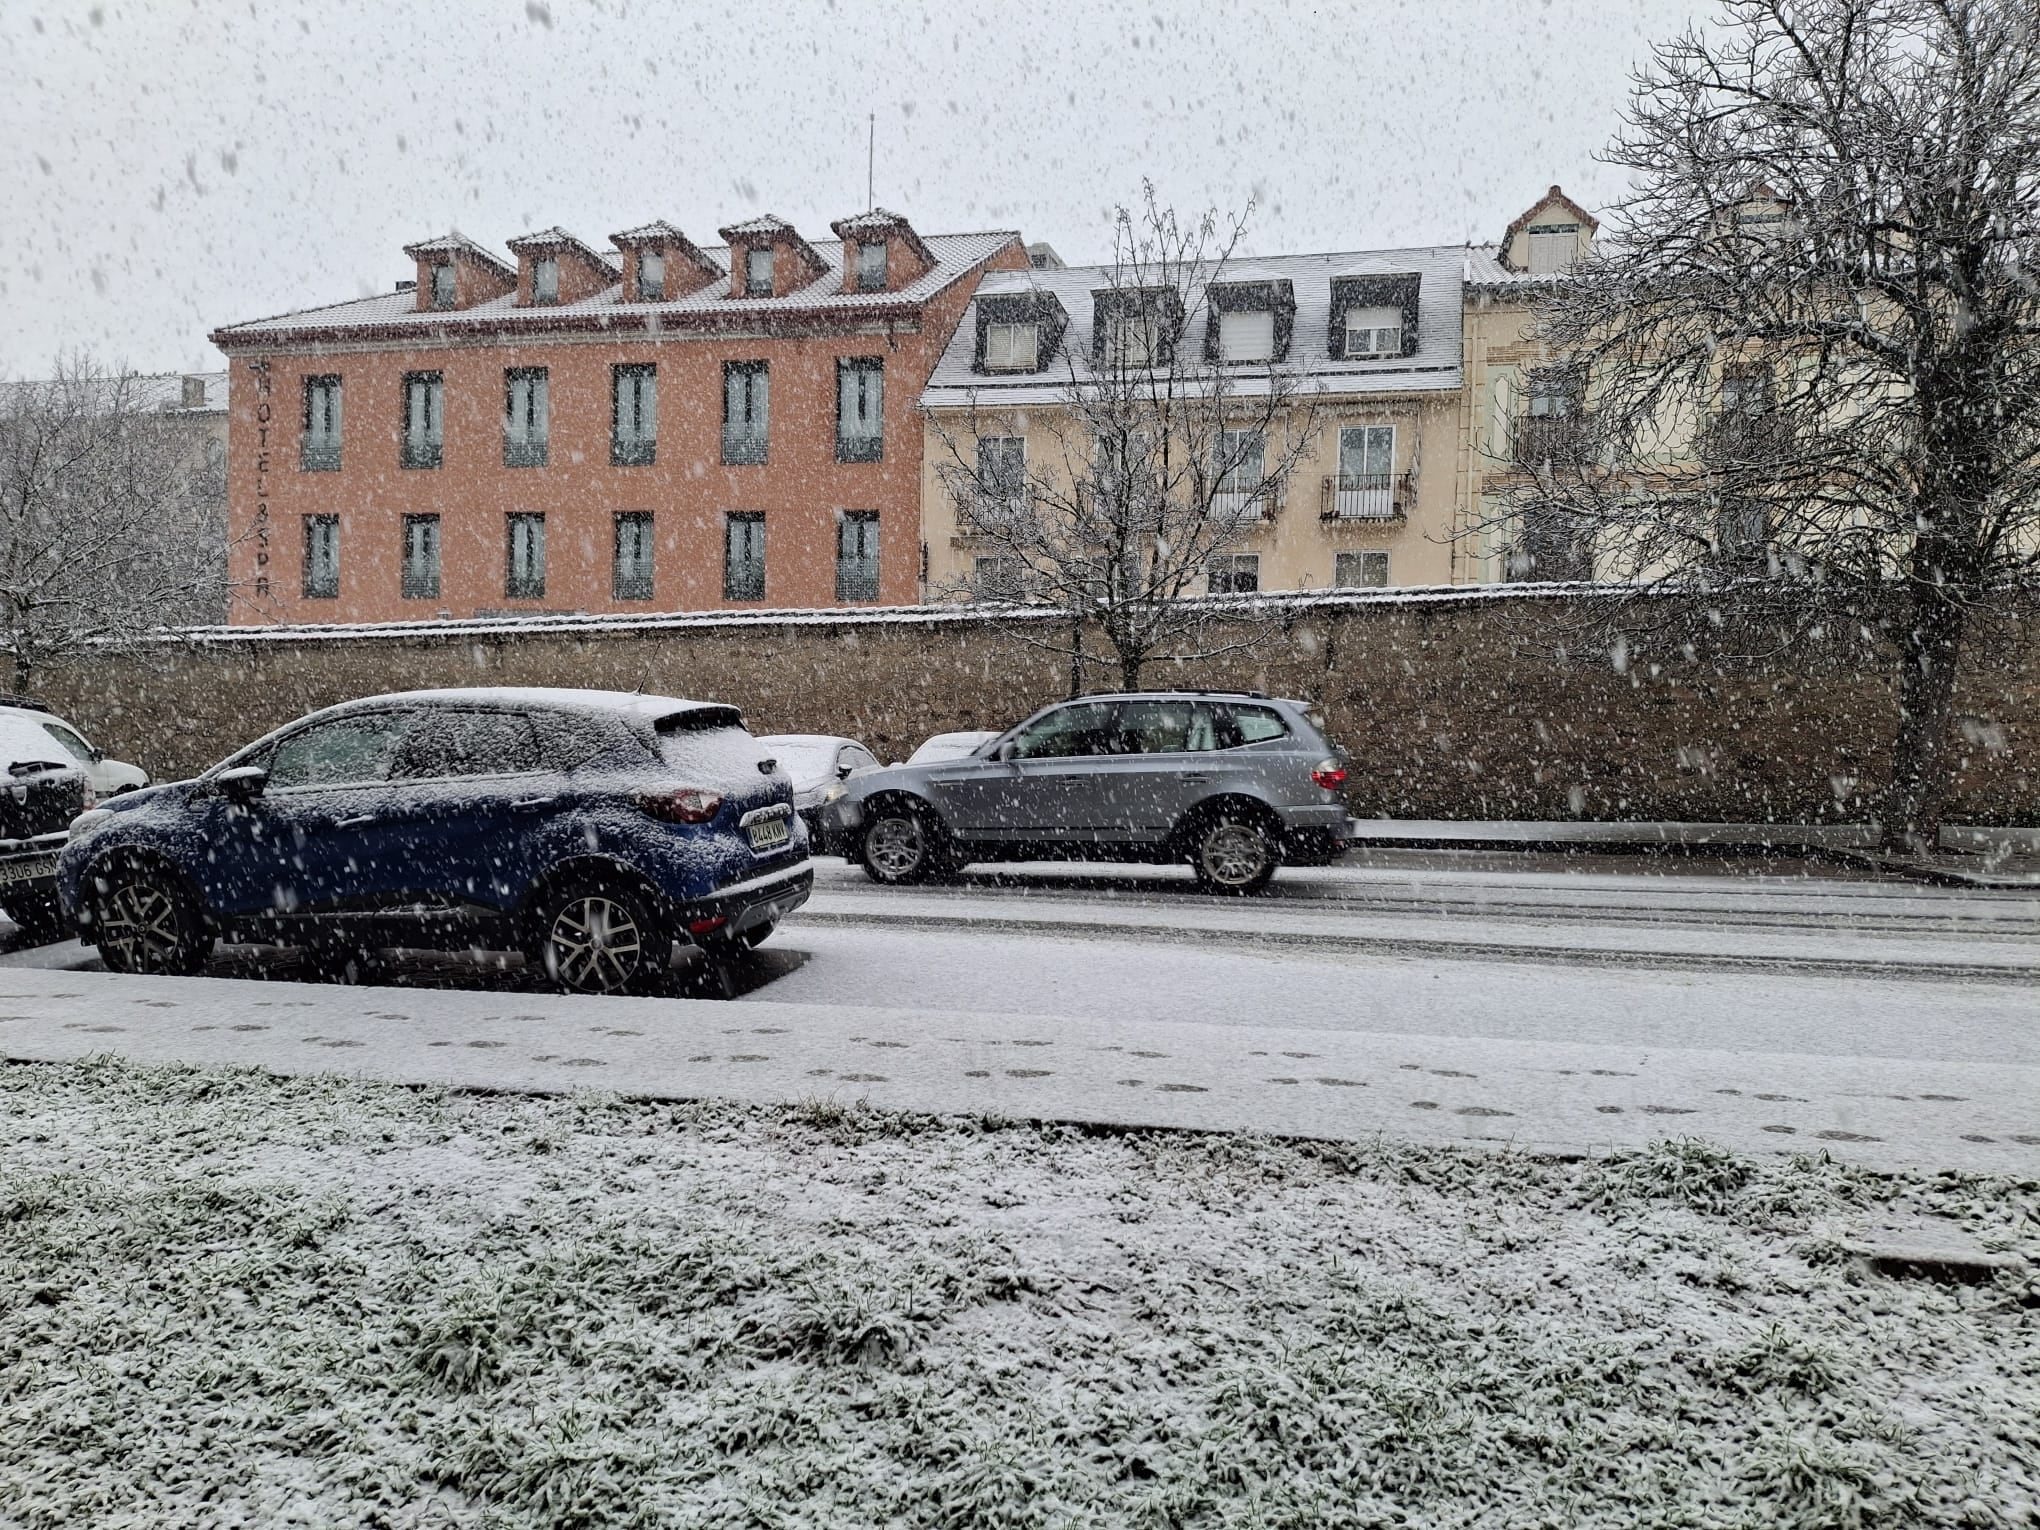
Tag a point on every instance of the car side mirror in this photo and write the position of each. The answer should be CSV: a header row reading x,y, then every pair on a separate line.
x,y
843,772
94,753
1007,750
244,783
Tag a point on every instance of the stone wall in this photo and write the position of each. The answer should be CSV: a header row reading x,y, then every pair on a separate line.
x,y
1462,707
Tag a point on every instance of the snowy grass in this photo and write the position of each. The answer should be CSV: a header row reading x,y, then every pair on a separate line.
x,y
232,1299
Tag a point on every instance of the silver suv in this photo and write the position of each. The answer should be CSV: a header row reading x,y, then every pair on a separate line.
x,y
1234,783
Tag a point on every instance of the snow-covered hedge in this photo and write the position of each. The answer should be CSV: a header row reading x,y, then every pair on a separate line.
x,y
230,1299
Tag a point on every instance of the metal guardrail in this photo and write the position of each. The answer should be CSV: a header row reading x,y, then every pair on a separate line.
x,y
1367,496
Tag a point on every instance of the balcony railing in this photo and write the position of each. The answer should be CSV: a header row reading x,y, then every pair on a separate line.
x,y
1246,504
980,514
1742,436
1535,439
743,448
1368,496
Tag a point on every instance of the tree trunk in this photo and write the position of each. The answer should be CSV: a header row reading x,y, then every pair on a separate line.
x,y
1130,665
1076,658
1928,650
24,667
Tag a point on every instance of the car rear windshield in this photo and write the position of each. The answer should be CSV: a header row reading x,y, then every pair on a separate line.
x,y
722,755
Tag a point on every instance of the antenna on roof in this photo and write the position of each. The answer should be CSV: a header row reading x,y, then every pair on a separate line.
x,y
870,161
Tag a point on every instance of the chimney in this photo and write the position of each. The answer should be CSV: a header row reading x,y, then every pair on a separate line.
x,y
194,392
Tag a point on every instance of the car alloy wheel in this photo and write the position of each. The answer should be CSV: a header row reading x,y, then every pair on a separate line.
x,y
1234,856
145,925
896,847
597,944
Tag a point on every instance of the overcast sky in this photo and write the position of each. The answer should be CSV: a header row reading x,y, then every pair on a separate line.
x,y
174,165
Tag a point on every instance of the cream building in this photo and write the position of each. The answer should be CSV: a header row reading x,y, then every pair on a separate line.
x,y
1408,368
1515,410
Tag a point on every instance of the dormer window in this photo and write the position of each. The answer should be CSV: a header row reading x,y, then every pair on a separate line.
x,y
1372,332
758,273
1135,340
1553,247
651,277
1246,336
1012,347
442,285
871,267
545,280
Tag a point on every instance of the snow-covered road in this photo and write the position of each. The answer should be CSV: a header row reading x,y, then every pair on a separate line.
x,y
1452,1001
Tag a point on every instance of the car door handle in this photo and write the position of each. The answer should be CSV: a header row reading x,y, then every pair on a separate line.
x,y
533,804
1196,778
355,822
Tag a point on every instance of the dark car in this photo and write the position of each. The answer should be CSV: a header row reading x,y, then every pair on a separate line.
x,y
589,829
1235,784
41,790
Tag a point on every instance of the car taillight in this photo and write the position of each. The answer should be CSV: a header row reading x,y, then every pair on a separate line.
x,y
688,805
1330,774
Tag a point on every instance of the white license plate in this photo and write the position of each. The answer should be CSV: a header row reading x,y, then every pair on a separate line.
x,y
770,833
28,868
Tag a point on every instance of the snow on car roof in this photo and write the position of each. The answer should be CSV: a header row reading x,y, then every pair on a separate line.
x,y
637,704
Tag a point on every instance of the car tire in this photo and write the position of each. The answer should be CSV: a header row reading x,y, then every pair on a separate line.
x,y
601,938
146,921
1233,852
903,844
39,918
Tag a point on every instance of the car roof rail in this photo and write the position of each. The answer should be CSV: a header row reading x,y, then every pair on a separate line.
x,y
1176,690
28,702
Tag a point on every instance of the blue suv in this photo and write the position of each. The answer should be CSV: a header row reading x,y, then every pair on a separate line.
x,y
588,829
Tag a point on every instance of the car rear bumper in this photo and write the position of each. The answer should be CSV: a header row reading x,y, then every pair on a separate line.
x,y
29,865
747,905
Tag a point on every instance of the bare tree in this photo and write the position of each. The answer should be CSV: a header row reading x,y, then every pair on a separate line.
x,y
1155,461
1808,349
112,516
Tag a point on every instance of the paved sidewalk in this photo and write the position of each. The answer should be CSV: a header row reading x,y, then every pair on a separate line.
x,y
1542,1096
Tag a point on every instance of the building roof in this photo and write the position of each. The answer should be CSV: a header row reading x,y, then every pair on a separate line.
x,y
881,222
457,243
1486,273
1435,366
658,231
766,225
396,314
557,238
160,391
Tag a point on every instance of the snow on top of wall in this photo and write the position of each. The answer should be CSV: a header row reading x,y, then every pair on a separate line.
x,y
945,613
955,255
1435,366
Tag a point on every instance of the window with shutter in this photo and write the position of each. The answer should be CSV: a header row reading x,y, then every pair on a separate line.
x,y
1246,336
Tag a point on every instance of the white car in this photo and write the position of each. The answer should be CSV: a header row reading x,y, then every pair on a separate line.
x,y
950,746
815,762
109,778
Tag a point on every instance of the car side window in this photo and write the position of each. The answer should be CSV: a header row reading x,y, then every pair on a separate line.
x,y
1253,725
1167,727
69,740
343,752
453,743
1085,727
